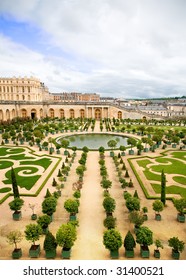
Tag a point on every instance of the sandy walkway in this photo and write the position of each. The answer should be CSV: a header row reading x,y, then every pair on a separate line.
x,y
91,214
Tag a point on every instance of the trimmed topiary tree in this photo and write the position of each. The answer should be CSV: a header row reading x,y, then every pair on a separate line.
x,y
16,206
50,245
113,241
158,206
49,206
33,233
109,205
71,205
163,187
132,203
109,222
144,237
177,247
65,237
129,244
14,183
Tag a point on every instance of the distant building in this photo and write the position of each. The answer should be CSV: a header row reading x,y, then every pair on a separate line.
x,y
157,110
75,97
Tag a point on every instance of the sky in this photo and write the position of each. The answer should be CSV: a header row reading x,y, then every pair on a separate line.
x,y
120,48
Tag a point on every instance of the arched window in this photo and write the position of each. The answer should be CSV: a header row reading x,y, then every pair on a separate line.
x,y
119,115
62,113
71,113
82,113
51,113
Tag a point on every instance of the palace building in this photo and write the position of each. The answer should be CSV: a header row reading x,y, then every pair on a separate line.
x,y
25,97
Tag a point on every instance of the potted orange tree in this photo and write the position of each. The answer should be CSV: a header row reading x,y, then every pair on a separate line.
x,y
15,237
113,241
144,237
65,237
32,233
180,205
16,206
177,247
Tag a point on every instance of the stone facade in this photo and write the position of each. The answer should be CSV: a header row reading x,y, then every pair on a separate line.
x,y
29,98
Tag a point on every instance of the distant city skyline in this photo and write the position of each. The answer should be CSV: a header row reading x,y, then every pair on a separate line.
x,y
122,48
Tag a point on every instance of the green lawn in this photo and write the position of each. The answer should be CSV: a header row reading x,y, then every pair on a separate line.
x,y
176,167
44,162
180,180
7,151
28,165
170,190
170,166
26,182
144,162
179,155
5,164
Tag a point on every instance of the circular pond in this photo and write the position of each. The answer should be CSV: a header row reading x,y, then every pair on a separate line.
x,y
94,140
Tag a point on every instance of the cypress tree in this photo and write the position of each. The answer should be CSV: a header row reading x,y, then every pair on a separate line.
x,y
163,187
14,184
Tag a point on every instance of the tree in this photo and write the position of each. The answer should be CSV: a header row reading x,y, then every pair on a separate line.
x,y
158,206
109,222
44,221
14,237
105,183
112,239
49,205
132,142
49,242
66,236
65,143
163,187
33,232
71,205
109,204
129,241
144,236
133,203
14,184
176,244
16,204
180,205
112,143
136,218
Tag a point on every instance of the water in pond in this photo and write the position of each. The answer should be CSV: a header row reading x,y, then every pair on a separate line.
x,y
94,141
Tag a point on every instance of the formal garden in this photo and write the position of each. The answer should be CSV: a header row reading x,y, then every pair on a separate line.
x,y
119,201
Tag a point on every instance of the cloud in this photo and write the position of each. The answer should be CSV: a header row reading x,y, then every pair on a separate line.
x,y
131,48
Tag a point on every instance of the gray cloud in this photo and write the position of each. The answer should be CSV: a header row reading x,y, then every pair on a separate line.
x,y
122,48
